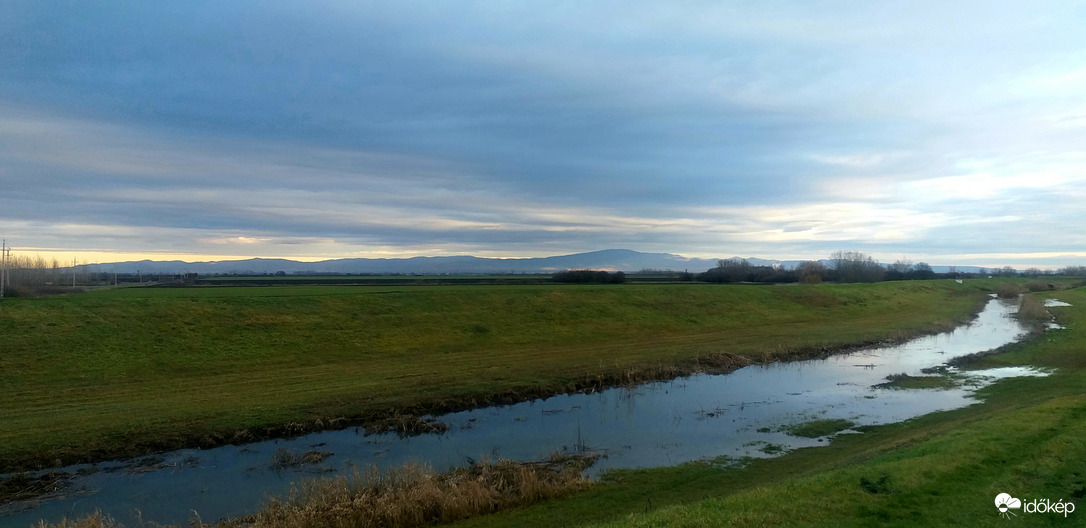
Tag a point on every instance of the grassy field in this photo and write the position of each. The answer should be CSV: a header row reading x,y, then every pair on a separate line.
x,y
128,371
395,280
1027,439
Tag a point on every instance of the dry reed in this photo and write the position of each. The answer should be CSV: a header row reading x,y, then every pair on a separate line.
x,y
1032,311
414,495
1008,290
408,496
94,520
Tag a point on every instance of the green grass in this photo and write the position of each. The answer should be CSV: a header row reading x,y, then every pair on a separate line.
x,y
1028,439
128,371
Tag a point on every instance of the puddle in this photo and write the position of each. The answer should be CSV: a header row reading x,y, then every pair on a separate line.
x,y
1054,303
699,417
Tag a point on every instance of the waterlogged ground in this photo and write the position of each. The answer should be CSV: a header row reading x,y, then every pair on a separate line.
x,y
720,417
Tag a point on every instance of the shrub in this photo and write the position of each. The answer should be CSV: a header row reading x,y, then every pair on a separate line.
x,y
1036,286
1008,290
1032,310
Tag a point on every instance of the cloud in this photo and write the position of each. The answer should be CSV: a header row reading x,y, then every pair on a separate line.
x,y
341,128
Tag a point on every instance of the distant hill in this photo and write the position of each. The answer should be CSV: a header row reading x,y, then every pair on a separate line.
x,y
608,259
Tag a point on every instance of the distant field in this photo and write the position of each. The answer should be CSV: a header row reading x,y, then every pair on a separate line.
x,y
128,371
372,280
499,279
364,278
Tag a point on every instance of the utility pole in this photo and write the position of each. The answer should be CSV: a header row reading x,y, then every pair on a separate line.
x,y
73,272
3,266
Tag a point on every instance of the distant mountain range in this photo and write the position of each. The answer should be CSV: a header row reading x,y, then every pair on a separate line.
x,y
609,259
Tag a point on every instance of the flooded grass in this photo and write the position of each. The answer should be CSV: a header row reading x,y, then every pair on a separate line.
x,y
22,487
818,428
405,425
904,381
772,449
285,458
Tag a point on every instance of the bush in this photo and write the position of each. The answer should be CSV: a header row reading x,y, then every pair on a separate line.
x,y
1008,290
1032,310
1036,286
739,270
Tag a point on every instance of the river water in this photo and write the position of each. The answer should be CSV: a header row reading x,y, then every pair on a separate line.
x,y
698,417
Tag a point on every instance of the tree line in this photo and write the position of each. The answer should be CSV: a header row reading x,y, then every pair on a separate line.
x,y
855,266
589,277
25,276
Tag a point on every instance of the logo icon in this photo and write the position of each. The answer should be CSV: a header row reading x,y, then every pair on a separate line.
x,y
1005,503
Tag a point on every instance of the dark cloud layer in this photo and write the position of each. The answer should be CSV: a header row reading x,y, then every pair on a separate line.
x,y
331,129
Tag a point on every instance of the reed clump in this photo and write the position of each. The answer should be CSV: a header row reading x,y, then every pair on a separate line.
x,y
1032,311
1037,286
414,495
406,425
284,458
1008,290
94,520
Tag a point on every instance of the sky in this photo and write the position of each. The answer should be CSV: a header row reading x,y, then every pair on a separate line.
x,y
945,132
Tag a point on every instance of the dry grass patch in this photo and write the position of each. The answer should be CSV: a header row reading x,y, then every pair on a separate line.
x,y
414,495
1008,290
94,520
405,497
1032,311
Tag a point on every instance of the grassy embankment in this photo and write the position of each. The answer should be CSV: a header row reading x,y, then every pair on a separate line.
x,y
125,372
1027,438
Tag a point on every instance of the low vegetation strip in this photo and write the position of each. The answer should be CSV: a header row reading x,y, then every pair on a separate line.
x,y
408,496
817,428
413,496
126,372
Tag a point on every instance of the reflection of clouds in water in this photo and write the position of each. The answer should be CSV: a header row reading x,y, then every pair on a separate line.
x,y
661,423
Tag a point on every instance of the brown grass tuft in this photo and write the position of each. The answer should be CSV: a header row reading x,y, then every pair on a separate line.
x,y
94,520
1008,290
1036,286
1032,311
414,495
409,496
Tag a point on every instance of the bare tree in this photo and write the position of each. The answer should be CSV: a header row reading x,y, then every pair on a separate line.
x,y
901,266
810,272
854,266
